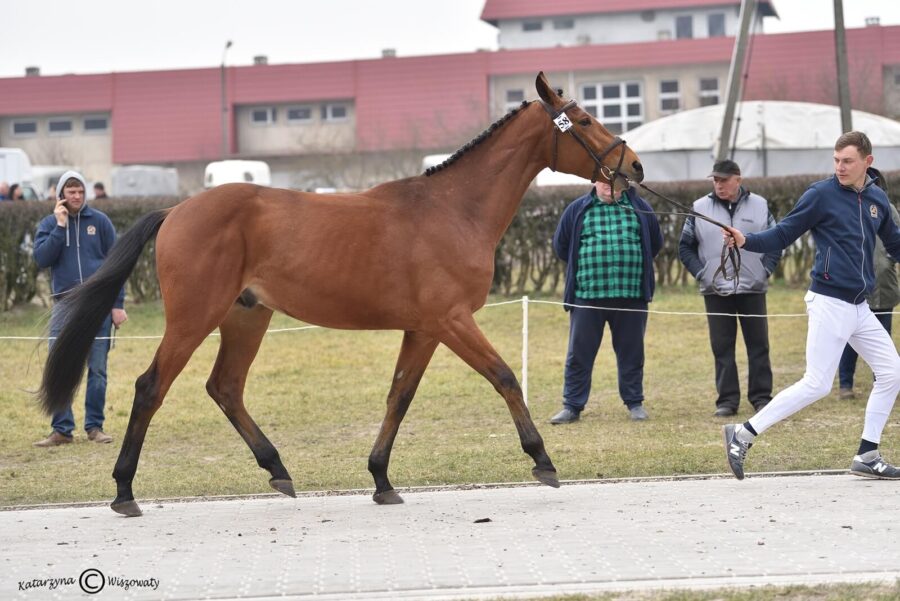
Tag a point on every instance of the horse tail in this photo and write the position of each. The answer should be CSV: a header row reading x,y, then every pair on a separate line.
x,y
83,311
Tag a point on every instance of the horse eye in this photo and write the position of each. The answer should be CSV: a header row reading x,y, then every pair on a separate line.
x,y
585,122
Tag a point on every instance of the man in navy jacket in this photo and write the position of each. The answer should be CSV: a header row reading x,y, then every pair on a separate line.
x,y
608,245
844,214
73,242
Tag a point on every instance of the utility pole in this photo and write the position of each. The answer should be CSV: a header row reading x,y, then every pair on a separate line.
x,y
748,12
840,49
225,147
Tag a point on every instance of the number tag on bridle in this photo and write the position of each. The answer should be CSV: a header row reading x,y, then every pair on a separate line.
x,y
563,122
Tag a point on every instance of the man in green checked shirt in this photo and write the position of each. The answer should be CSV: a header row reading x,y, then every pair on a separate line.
x,y
609,250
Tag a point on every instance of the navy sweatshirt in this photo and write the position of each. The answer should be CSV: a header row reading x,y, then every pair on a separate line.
x,y
844,223
73,253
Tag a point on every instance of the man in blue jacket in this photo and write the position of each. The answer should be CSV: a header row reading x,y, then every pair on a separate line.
x,y
73,242
844,214
608,245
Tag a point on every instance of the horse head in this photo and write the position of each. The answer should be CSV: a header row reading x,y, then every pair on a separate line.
x,y
581,145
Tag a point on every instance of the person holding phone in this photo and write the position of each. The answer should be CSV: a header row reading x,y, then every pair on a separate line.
x,y
73,242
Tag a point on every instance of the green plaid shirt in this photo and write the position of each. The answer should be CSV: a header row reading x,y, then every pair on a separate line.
x,y
610,260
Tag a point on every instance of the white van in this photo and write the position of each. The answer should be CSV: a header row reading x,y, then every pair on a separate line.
x,y
143,180
237,171
15,166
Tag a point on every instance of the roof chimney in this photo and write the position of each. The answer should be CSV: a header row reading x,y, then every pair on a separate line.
x,y
873,21
260,59
388,52
32,71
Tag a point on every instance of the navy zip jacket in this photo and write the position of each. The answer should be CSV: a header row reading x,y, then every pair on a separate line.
x,y
567,240
73,253
844,224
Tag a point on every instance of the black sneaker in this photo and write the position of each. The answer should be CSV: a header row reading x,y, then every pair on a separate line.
x,y
876,467
735,450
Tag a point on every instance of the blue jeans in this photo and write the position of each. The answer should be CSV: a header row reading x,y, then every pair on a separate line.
x,y
95,396
847,366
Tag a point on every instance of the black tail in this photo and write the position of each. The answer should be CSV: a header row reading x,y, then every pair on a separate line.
x,y
82,313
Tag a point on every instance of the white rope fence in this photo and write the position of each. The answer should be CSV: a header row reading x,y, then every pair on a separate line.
x,y
525,302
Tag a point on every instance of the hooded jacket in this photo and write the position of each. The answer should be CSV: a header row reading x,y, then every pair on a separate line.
x,y
74,252
844,223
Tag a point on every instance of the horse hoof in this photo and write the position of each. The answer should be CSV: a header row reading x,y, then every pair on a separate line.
x,y
285,487
129,509
388,497
545,476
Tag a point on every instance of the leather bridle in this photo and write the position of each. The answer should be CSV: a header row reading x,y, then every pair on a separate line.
x,y
563,124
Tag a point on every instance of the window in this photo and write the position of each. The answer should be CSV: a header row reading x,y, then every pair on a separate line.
x,y
619,106
95,124
563,23
669,95
299,114
334,112
59,126
532,25
264,115
684,27
24,128
715,24
513,99
709,91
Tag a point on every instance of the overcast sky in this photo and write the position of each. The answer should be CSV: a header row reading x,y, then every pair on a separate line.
x,y
99,36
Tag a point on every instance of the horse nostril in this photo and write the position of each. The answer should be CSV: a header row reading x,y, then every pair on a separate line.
x,y
638,170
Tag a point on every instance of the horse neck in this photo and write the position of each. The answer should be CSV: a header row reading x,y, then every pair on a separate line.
x,y
491,179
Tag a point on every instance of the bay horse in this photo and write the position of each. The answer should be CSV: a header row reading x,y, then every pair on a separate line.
x,y
415,255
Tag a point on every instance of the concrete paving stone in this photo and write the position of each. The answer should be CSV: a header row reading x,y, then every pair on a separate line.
x,y
605,536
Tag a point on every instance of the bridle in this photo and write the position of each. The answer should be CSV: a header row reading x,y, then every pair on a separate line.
x,y
564,125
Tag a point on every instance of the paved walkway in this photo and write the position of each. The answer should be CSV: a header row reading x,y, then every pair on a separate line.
x,y
494,542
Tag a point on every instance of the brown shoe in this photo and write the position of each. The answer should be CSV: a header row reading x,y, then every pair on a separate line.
x,y
846,394
98,435
54,440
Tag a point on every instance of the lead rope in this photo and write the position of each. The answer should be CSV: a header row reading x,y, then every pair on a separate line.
x,y
729,253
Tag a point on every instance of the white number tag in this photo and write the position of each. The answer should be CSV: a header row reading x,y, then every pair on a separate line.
x,y
563,123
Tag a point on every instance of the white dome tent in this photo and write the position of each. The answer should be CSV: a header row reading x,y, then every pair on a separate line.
x,y
774,138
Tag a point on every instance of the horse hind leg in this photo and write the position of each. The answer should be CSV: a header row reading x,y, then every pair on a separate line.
x,y
415,353
176,348
242,333
464,338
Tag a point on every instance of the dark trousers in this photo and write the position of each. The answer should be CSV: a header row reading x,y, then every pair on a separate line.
x,y
847,366
722,338
586,333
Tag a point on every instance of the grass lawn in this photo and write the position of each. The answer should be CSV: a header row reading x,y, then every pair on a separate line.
x,y
319,396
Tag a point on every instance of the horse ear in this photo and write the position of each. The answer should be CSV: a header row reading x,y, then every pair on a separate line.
x,y
545,92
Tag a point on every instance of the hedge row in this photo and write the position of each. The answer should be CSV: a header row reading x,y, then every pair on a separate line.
x,y
524,261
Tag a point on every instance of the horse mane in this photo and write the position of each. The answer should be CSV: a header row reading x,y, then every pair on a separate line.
x,y
478,139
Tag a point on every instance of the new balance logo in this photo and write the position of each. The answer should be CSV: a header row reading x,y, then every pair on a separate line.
x,y
735,449
880,467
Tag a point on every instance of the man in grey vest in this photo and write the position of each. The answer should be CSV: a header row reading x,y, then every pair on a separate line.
x,y
700,249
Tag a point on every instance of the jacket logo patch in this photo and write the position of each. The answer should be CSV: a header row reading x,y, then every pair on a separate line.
x,y
92,230
873,211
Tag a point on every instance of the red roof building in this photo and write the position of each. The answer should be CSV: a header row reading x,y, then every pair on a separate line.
x,y
294,113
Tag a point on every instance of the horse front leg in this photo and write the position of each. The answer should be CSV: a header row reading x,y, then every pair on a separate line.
x,y
464,338
415,353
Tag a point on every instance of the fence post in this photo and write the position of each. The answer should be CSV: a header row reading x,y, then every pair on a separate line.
x,y
525,349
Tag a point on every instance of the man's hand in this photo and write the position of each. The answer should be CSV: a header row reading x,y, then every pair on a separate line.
x,y
61,212
733,237
119,316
